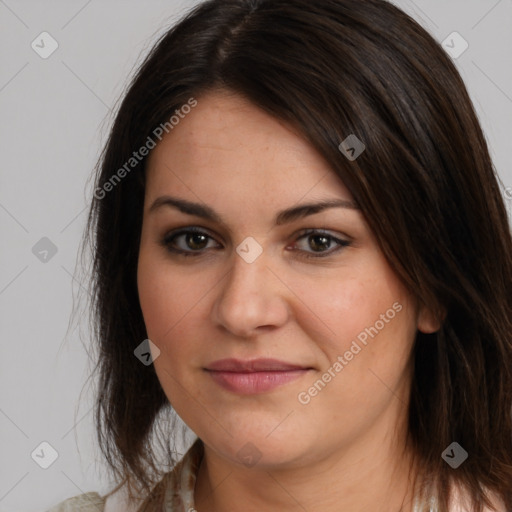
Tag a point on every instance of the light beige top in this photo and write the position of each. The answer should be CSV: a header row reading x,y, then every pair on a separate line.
x,y
175,493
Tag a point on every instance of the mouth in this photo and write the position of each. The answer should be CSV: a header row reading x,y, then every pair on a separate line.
x,y
254,376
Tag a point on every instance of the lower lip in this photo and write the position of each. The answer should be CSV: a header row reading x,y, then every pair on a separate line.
x,y
254,382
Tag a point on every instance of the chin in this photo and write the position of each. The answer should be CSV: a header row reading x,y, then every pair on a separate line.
x,y
254,449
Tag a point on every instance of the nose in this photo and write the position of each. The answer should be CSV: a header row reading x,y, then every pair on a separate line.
x,y
250,298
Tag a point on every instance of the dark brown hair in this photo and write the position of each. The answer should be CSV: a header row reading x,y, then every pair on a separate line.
x,y
425,183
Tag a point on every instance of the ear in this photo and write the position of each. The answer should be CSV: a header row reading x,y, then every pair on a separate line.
x,y
430,321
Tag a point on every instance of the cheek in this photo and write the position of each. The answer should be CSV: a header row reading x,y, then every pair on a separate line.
x,y
167,297
340,309
367,319
171,306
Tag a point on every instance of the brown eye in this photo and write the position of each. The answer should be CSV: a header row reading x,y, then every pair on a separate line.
x,y
196,241
317,244
189,242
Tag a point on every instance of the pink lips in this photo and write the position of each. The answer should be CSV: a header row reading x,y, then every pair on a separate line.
x,y
255,376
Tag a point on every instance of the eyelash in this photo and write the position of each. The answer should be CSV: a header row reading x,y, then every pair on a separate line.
x,y
169,238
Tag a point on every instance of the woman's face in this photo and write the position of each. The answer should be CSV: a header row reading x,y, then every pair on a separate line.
x,y
312,292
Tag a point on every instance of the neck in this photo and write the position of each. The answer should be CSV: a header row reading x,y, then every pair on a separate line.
x,y
374,473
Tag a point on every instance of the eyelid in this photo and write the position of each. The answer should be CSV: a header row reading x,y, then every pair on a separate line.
x,y
320,231
185,230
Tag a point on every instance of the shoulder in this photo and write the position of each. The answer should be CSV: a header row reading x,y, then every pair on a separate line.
x,y
88,502
174,492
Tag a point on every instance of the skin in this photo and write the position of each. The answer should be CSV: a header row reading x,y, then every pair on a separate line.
x,y
344,450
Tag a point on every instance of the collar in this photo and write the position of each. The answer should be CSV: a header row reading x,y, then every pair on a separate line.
x,y
180,485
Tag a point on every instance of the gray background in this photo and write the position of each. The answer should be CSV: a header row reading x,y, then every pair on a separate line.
x,y
55,115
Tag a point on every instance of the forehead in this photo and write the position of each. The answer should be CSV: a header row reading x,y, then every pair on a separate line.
x,y
228,144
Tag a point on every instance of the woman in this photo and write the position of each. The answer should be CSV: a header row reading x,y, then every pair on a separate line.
x,y
302,249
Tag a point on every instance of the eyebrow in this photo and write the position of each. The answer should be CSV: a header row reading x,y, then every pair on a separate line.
x,y
283,217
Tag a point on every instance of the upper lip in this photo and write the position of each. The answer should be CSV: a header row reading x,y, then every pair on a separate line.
x,y
253,365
